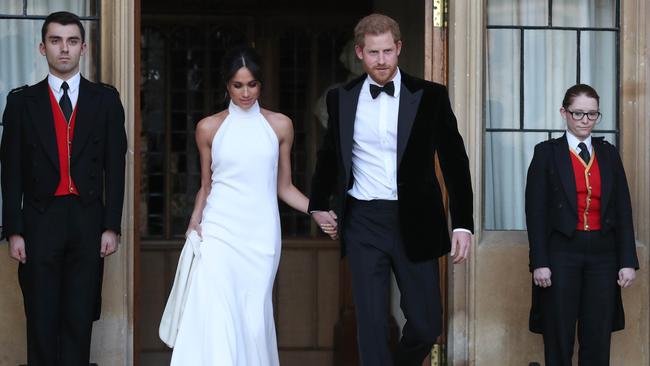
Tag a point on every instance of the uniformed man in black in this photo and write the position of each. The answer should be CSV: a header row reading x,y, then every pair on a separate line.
x,y
62,159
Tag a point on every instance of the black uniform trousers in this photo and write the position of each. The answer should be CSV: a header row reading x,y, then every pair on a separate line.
x,y
374,247
60,280
583,290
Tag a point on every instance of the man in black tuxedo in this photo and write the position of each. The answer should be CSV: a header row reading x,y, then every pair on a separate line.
x,y
63,155
378,159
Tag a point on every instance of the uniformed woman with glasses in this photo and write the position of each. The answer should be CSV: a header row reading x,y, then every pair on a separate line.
x,y
581,236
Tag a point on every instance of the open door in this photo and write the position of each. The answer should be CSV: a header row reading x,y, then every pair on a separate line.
x,y
137,128
436,69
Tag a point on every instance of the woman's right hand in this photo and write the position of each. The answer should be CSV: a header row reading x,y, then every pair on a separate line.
x,y
327,222
194,225
542,277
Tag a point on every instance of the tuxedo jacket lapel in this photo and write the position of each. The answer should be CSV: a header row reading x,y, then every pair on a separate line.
x,y
40,112
86,107
348,100
409,103
565,170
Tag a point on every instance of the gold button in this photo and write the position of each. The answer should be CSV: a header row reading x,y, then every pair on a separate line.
x,y
589,174
71,189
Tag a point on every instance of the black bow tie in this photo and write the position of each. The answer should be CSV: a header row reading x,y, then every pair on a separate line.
x,y
389,89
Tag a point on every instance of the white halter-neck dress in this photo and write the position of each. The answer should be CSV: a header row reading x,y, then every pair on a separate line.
x,y
228,317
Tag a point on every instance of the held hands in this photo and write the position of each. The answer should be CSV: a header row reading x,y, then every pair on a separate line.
x,y
109,243
460,246
327,222
625,277
17,248
542,277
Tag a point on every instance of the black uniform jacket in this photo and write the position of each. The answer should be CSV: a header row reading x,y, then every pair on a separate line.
x,y
551,208
30,161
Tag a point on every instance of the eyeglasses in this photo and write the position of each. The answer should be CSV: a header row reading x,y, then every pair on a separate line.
x,y
592,116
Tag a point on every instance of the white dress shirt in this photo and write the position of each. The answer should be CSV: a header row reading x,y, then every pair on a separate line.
x,y
374,148
574,141
73,91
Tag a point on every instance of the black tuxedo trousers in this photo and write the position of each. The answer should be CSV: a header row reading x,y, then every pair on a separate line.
x,y
60,280
374,248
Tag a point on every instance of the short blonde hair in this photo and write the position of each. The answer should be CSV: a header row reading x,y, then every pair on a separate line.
x,y
375,24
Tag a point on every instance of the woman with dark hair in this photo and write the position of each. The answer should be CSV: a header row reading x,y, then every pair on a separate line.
x,y
245,166
581,236
233,61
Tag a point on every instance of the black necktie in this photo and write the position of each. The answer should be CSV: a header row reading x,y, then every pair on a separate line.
x,y
65,103
584,153
375,90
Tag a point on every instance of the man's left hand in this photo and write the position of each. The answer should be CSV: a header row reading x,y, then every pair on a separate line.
x,y
460,244
109,243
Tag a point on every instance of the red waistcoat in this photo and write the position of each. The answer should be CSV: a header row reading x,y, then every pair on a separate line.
x,y
64,133
588,192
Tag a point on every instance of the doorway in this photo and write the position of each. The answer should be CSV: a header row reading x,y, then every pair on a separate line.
x,y
305,51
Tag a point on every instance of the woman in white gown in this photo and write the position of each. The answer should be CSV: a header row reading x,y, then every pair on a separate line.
x,y
245,166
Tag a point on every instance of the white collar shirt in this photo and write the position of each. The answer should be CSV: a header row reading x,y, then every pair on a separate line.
x,y
73,91
574,141
374,148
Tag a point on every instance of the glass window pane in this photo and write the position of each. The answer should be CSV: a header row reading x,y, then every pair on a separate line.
x,y
503,59
517,12
584,13
598,69
11,7
24,64
181,205
154,226
80,7
550,67
507,156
